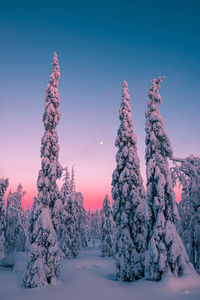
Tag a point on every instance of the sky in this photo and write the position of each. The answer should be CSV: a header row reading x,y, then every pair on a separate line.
x,y
99,45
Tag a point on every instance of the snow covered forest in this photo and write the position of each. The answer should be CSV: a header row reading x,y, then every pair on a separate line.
x,y
145,238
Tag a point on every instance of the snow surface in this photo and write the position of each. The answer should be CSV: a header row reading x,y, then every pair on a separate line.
x,y
91,277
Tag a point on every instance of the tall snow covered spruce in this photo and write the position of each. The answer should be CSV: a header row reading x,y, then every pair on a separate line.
x,y
44,259
129,196
3,186
165,250
107,229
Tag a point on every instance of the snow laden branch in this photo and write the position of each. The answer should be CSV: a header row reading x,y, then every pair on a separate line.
x,y
186,167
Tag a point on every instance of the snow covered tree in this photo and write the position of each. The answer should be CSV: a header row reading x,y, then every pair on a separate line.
x,y
107,229
73,186
95,225
80,216
3,186
15,233
44,259
25,219
57,211
165,250
69,235
66,188
187,174
84,228
129,196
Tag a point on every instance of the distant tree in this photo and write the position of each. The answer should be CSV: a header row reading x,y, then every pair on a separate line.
x,y
15,233
66,188
107,229
187,174
84,228
95,225
69,228
3,186
44,259
128,195
73,185
165,250
25,219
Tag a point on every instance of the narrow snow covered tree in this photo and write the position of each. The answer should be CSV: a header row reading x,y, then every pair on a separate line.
x,y
107,229
66,188
95,227
128,195
44,259
84,228
80,216
73,185
71,233
25,219
165,250
187,173
3,186
15,233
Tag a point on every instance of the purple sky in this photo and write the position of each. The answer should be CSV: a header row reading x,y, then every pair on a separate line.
x,y
99,44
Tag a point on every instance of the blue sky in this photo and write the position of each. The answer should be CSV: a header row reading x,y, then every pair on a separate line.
x,y
99,44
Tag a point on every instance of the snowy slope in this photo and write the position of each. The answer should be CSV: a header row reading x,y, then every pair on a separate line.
x,y
91,277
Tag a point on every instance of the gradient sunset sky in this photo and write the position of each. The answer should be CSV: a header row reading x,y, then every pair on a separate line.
x,y
99,45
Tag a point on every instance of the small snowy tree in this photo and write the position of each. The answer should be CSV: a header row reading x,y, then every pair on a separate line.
x,y
66,188
69,234
3,186
95,225
128,195
15,233
25,219
165,250
44,259
107,229
187,174
84,228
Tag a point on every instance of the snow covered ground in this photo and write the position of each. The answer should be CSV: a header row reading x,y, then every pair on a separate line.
x,y
91,277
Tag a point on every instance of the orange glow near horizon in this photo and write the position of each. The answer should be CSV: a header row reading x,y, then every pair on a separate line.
x,y
93,199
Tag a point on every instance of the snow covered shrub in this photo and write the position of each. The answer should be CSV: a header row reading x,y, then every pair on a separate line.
x,y
129,196
107,229
44,259
165,250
